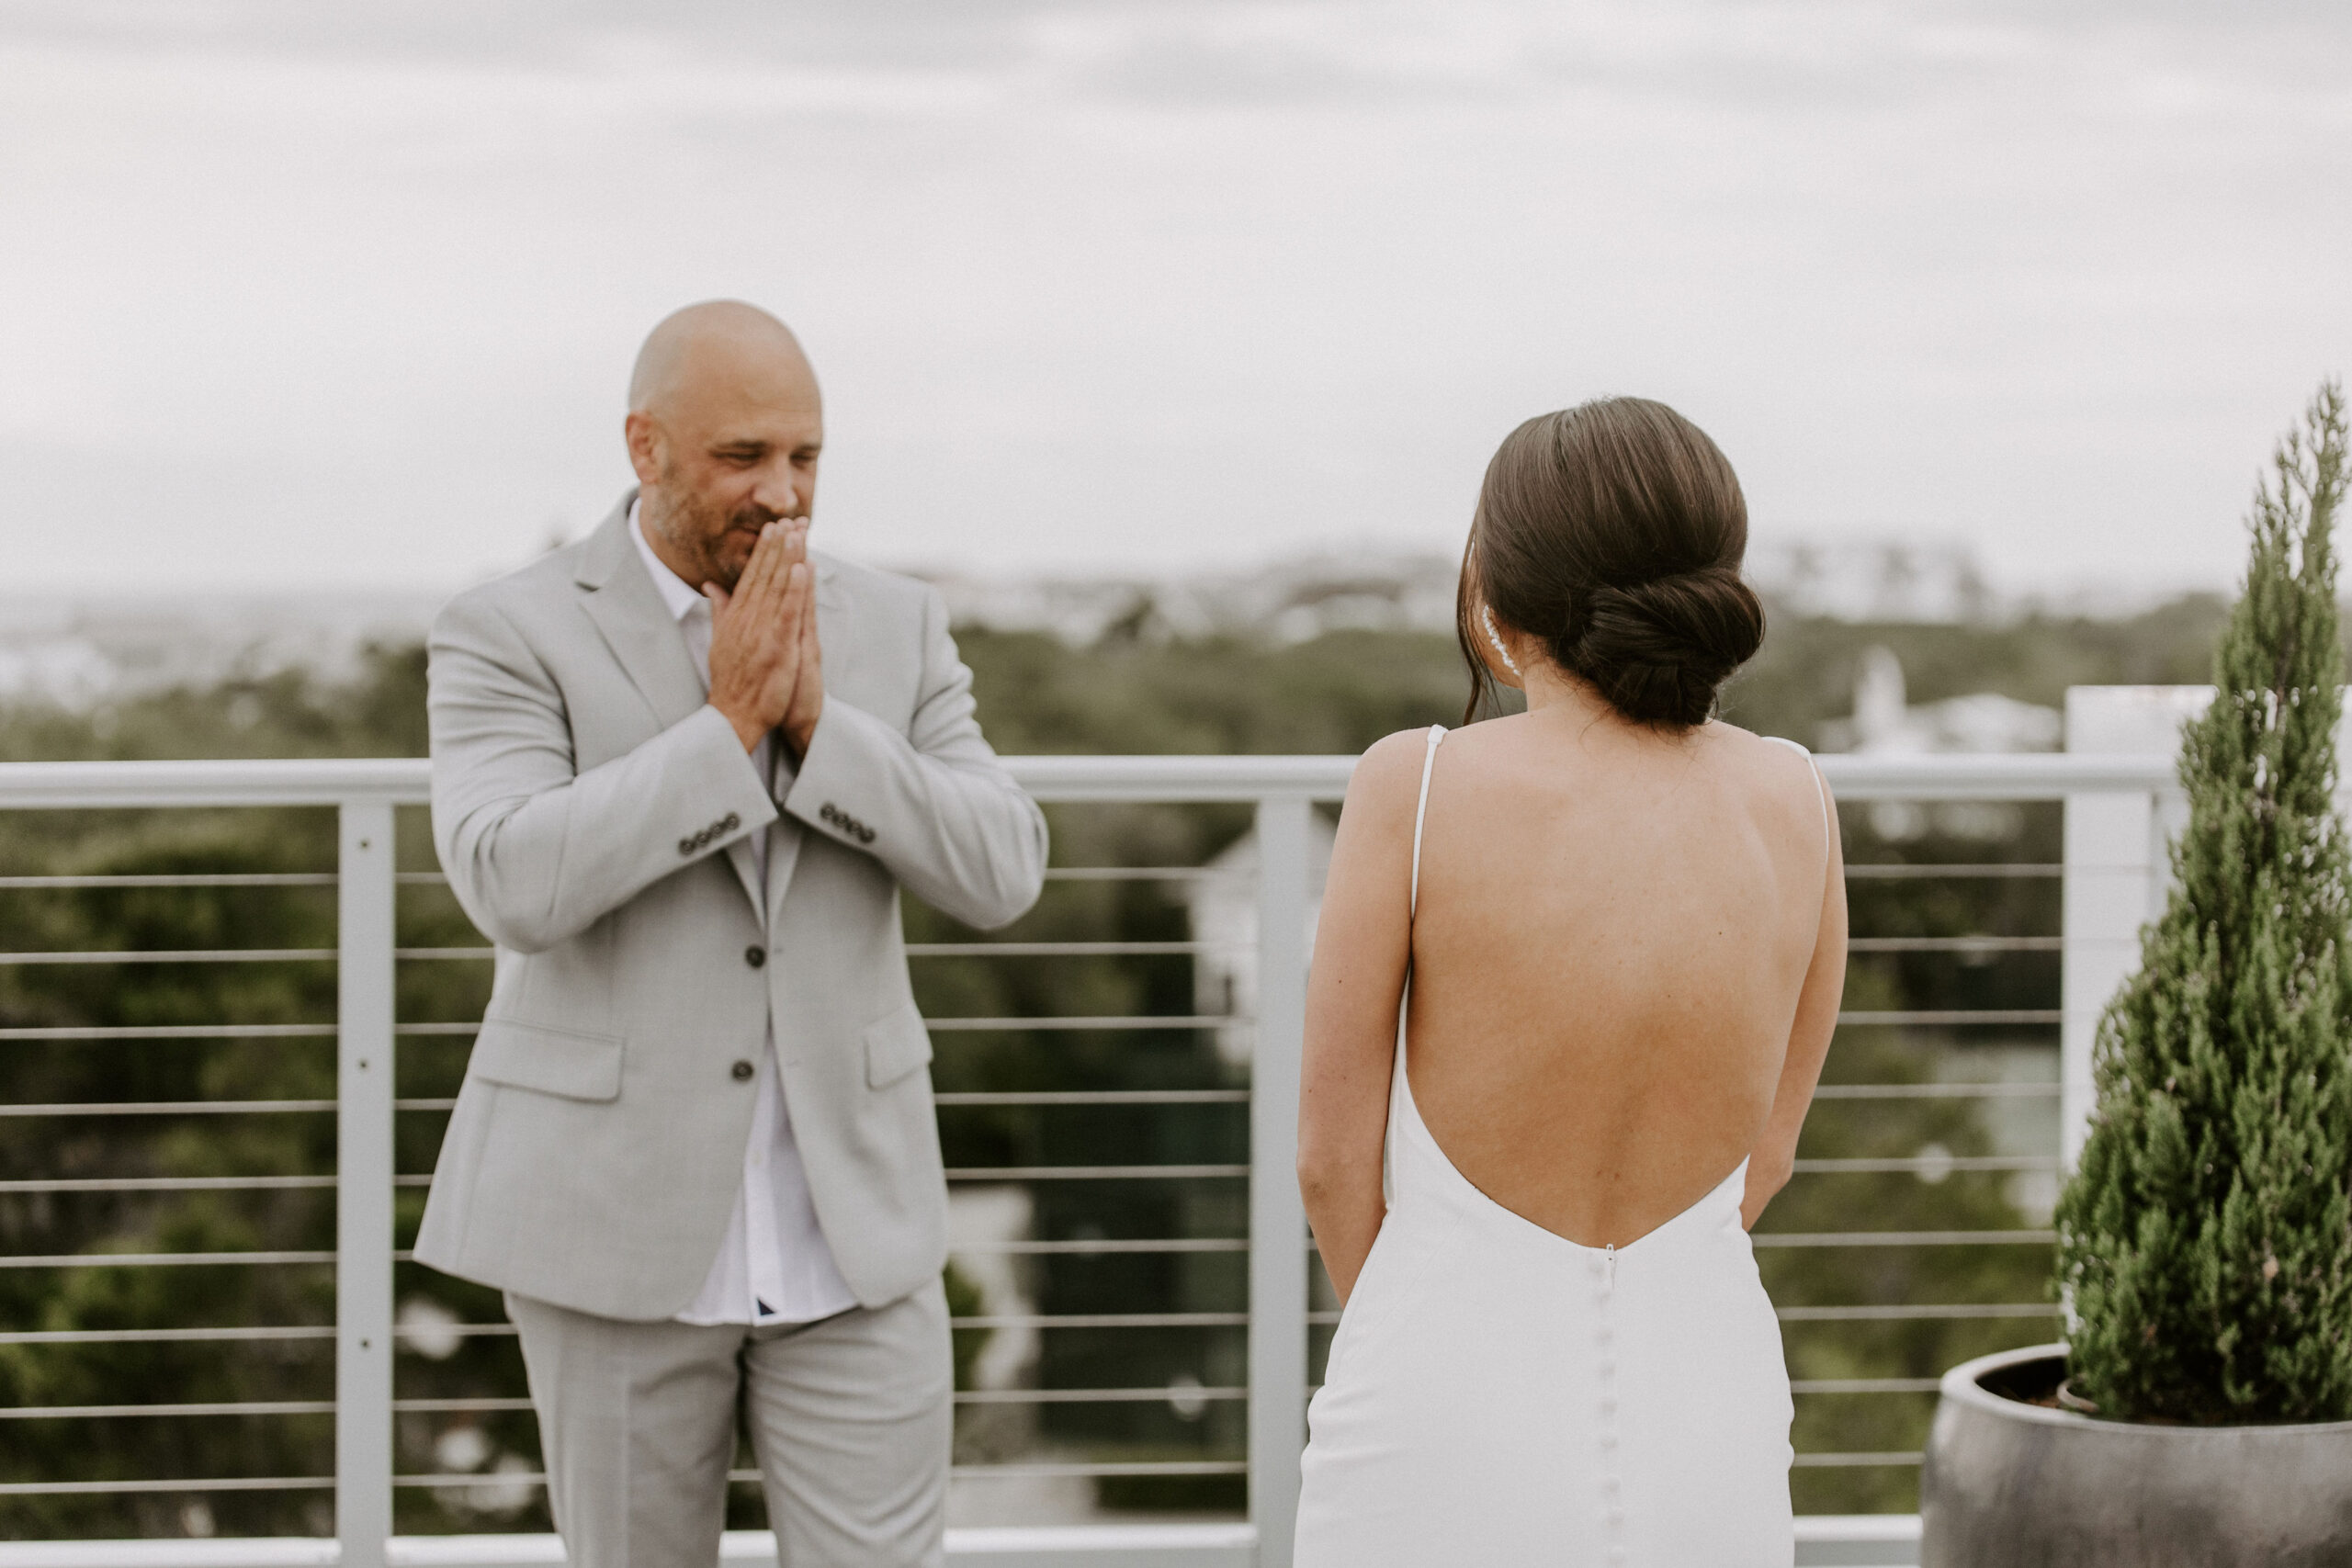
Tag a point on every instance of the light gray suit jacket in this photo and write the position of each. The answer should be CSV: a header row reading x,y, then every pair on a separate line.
x,y
594,816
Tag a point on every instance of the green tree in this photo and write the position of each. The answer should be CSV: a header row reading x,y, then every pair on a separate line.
x,y
2204,1239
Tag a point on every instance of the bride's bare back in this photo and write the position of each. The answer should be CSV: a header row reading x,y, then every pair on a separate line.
x,y
1625,969
1613,933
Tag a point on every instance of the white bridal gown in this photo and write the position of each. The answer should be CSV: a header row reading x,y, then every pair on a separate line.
x,y
1499,1395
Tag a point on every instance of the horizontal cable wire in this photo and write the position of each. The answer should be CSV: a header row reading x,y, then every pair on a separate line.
x,y
100,1412
1955,944
1862,1314
170,1108
175,956
180,879
1978,868
174,1031
1053,1248
167,1184
1067,949
962,1099
1929,1163
1881,1239
156,1259
193,1484
1105,1320
1096,1172
1144,874
1082,1469
475,1478
1072,1469
1882,1017
1865,1017
1097,1097
163,1336
1938,1091
1094,1396
478,952
1905,1238
1111,1020
1091,1248
1915,1314
456,1406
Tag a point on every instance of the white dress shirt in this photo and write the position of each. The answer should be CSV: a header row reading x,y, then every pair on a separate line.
x,y
773,1265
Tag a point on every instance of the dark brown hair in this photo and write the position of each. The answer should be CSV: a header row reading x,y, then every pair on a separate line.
x,y
1613,532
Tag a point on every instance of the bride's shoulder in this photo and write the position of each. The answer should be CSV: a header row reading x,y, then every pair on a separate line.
x,y
1393,756
1389,771
1773,763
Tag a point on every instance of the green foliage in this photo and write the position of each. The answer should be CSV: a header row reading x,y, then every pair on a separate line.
x,y
2207,1238
1339,692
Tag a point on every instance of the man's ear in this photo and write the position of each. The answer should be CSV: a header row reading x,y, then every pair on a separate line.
x,y
644,438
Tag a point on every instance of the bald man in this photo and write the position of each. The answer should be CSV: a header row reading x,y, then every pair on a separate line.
x,y
681,770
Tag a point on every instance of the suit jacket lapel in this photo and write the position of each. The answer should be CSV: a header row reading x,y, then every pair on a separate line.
x,y
634,621
637,626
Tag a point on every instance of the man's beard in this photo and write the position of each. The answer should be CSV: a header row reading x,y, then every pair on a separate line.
x,y
698,531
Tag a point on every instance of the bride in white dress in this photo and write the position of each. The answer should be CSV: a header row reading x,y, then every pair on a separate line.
x,y
1624,926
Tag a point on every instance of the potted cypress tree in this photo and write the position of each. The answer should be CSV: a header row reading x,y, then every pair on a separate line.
x,y
2201,1411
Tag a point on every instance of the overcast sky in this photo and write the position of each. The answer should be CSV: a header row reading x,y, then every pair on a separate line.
x,y
298,295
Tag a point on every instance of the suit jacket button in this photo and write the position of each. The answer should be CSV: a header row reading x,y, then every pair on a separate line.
x,y
755,956
742,1071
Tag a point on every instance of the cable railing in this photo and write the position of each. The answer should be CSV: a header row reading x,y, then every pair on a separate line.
x,y
1279,1313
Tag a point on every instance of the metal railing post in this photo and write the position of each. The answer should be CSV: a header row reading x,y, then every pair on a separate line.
x,y
1277,1219
363,1269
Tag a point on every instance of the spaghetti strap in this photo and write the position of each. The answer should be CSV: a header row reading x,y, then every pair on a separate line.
x,y
1421,812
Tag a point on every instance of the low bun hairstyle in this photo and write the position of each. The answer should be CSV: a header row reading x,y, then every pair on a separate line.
x,y
1613,532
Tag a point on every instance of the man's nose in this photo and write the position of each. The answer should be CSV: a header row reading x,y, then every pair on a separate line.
x,y
777,494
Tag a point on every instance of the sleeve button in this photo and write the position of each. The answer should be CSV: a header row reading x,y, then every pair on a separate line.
x,y
755,956
742,1071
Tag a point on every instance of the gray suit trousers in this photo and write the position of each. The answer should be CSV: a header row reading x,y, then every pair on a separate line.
x,y
850,1417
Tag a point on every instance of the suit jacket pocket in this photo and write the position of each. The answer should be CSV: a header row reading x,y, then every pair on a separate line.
x,y
895,1046
552,1061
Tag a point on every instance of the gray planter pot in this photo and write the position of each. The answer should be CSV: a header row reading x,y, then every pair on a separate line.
x,y
2009,1485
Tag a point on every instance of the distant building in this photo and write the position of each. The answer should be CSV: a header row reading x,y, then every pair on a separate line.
x,y
1884,723
1296,600
79,654
1293,601
1873,580
1223,903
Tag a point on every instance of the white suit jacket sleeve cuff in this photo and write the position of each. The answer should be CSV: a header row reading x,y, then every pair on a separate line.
x,y
952,826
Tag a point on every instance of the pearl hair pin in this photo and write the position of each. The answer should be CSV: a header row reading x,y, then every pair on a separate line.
x,y
1487,614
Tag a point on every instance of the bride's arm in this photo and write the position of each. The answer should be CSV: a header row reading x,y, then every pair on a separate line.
x,y
1816,1019
1362,942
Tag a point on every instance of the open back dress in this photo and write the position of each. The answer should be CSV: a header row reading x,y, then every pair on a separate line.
x,y
1499,1395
